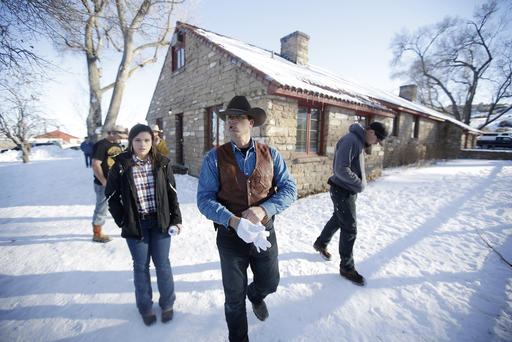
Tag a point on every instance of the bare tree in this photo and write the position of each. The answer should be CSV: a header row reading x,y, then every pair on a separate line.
x,y
16,49
456,61
135,29
21,24
19,120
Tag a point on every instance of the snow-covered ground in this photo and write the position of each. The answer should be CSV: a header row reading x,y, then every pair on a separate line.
x,y
430,275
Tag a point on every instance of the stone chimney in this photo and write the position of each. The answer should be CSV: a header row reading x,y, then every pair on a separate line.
x,y
409,92
295,47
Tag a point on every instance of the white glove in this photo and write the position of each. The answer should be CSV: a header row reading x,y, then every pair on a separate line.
x,y
248,231
261,241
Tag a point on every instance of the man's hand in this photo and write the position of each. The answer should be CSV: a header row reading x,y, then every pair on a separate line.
x,y
254,214
98,171
247,231
261,241
254,233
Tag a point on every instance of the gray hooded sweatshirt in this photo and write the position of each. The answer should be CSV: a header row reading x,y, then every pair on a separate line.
x,y
348,164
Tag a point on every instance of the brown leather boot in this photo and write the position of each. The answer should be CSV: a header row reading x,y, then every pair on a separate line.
x,y
98,236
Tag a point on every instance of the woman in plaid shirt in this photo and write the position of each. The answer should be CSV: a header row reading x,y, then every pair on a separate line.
x,y
142,199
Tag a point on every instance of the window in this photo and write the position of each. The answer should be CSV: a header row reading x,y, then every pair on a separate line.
x,y
415,127
362,120
396,125
178,51
309,130
160,123
179,139
215,128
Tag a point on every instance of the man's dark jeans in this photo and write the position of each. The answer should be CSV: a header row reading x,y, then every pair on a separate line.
x,y
235,257
343,218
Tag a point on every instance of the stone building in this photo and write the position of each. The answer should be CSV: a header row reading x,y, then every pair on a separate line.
x,y
308,109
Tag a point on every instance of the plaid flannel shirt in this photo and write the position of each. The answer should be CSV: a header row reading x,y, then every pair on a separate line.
x,y
145,185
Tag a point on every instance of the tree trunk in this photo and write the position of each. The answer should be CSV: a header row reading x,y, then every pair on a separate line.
x,y
25,150
94,75
94,117
123,74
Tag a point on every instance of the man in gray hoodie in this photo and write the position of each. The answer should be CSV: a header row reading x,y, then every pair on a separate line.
x,y
348,180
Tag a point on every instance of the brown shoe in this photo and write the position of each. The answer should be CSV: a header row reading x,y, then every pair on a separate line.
x,y
98,236
323,252
167,315
149,318
353,276
260,310
101,238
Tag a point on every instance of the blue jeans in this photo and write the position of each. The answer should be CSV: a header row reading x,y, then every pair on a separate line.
x,y
155,245
235,257
344,219
100,211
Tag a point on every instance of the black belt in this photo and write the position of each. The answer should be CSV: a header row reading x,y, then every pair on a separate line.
x,y
147,216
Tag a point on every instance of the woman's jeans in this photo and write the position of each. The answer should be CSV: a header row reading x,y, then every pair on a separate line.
x,y
155,245
344,219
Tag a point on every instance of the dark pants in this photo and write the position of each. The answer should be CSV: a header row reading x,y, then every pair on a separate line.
x,y
235,257
88,160
344,219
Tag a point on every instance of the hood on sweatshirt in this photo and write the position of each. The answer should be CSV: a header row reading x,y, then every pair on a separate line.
x,y
358,130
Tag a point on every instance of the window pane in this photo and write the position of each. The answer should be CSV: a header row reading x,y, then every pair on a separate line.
x,y
314,135
214,129
363,121
302,118
220,131
182,55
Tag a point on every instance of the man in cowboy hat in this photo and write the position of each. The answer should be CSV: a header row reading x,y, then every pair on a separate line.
x,y
242,186
161,146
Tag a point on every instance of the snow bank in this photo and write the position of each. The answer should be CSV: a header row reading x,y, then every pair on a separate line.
x,y
39,153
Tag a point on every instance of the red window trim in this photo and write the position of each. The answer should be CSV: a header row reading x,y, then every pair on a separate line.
x,y
175,49
310,106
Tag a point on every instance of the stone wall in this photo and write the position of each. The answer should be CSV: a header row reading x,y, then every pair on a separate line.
x,y
495,155
403,149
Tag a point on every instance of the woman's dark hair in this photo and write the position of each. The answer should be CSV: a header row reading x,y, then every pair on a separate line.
x,y
138,128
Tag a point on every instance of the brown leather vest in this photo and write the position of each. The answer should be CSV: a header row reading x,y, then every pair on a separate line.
x,y
238,192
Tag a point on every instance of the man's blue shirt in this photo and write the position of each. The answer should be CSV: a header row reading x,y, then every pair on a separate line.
x,y
208,186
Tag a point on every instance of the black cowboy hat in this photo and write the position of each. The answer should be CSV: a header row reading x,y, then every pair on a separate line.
x,y
240,106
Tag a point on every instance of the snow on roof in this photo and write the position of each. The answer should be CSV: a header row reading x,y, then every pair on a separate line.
x,y
314,79
286,73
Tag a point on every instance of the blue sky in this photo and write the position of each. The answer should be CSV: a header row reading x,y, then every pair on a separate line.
x,y
349,38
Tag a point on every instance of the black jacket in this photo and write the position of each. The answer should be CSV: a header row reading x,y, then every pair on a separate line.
x,y
122,196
